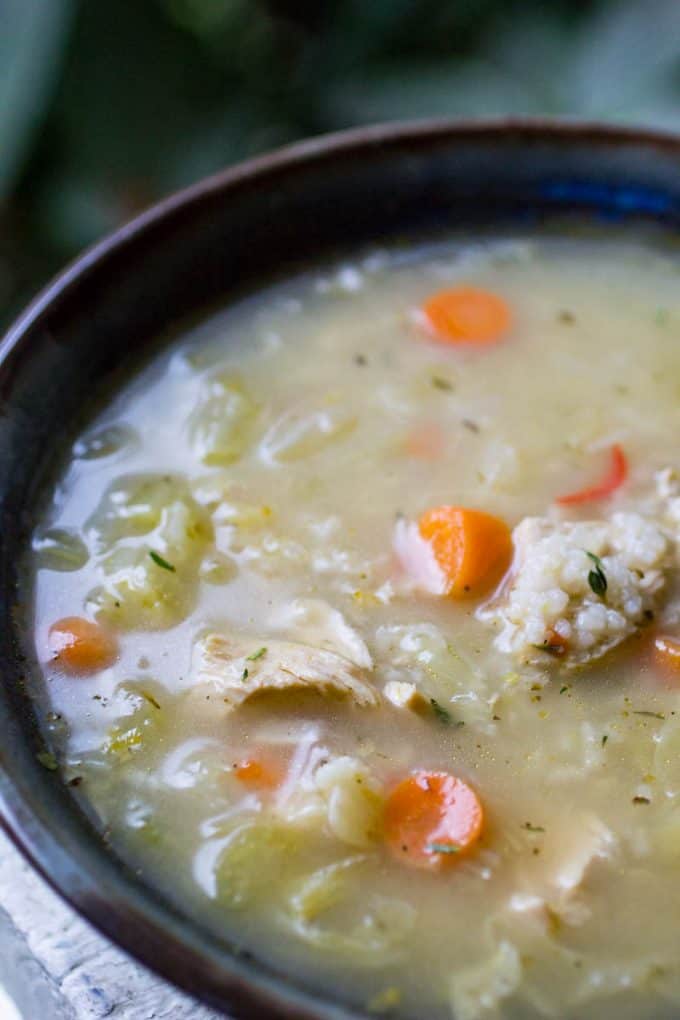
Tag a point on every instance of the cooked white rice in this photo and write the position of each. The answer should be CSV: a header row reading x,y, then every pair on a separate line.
x,y
549,596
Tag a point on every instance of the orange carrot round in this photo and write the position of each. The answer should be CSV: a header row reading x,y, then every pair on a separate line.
x,y
259,773
81,646
425,442
466,315
554,642
614,479
472,548
667,656
431,820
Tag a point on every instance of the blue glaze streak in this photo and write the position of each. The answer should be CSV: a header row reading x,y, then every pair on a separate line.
x,y
615,199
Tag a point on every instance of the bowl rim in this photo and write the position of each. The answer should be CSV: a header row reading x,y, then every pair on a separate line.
x,y
136,921
316,149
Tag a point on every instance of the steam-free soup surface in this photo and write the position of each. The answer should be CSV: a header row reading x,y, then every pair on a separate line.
x,y
359,617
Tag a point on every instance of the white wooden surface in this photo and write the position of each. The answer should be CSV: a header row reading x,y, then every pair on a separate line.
x,y
56,967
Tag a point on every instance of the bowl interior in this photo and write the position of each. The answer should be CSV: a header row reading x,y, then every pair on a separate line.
x,y
230,234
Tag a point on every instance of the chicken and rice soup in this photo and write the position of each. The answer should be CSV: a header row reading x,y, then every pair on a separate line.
x,y
359,615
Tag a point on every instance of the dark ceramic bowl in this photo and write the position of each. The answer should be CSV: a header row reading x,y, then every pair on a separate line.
x,y
231,232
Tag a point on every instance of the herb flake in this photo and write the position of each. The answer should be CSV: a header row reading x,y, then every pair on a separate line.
x,y
533,828
650,715
597,579
150,698
257,655
245,675
160,562
440,712
443,848
550,649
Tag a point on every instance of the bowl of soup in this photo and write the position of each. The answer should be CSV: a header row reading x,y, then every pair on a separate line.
x,y
341,578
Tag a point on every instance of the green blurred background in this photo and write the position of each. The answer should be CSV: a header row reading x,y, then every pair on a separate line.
x,y
105,105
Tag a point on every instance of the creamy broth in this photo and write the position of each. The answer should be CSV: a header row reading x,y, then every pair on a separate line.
x,y
276,461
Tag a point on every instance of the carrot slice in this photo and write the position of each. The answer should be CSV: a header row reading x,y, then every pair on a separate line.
x,y
425,442
466,315
554,642
431,820
667,655
472,548
259,773
81,646
614,479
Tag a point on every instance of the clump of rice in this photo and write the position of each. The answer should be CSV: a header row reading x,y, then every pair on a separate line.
x,y
549,596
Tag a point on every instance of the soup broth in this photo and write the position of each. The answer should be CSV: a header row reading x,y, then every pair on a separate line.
x,y
359,616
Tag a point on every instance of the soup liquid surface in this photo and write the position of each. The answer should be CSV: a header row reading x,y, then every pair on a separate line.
x,y
266,459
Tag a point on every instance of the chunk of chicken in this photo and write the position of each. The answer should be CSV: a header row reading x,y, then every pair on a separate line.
x,y
235,668
555,891
337,794
316,623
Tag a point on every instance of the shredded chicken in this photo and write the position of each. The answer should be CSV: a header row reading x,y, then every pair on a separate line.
x,y
572,852
237,668
316,623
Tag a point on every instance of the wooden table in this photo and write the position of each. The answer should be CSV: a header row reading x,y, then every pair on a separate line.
x,y
56,967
